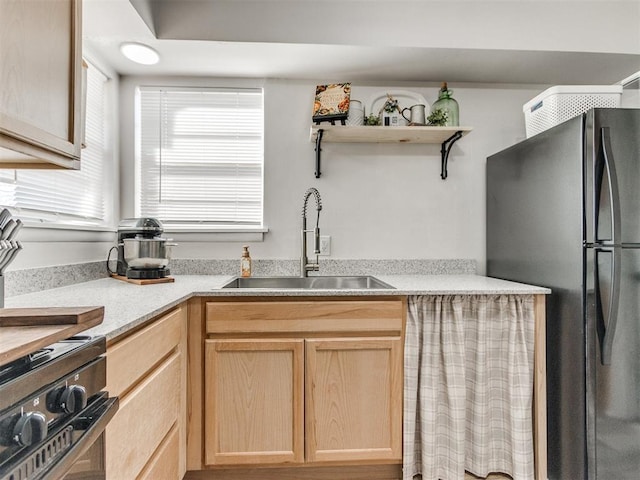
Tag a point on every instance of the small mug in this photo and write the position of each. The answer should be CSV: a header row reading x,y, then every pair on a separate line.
x,y
416,114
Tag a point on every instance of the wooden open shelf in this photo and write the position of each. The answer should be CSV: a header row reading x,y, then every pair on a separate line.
x,y
445,136
378,134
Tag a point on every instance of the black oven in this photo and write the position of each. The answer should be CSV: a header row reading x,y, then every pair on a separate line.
x,y
53,412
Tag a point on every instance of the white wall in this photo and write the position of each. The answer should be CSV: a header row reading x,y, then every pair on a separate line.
x,y
379,201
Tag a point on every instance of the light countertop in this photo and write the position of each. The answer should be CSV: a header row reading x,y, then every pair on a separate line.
x,y
128,305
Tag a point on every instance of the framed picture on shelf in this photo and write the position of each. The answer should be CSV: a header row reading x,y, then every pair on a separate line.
x,y
331,102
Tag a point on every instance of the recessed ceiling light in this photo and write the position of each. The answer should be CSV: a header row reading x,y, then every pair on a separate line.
x,y
140,53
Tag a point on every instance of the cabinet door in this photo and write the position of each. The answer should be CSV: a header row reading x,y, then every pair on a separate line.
x,y
254,401
41,78
353,399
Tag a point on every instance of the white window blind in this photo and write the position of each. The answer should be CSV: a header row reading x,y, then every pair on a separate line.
x,y
73,197
200,156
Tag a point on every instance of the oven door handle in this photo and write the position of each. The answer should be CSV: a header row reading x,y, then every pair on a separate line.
x,y
92,422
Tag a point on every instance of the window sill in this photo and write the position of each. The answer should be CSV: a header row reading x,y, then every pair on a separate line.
x,y
37,232
215,234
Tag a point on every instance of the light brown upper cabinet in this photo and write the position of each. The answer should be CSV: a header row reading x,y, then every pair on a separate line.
x,y
41,83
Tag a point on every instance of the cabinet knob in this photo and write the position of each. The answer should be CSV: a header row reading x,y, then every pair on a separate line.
x,y
31,428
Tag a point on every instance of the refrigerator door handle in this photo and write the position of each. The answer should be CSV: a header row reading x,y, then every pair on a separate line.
x,y
608,163
608,299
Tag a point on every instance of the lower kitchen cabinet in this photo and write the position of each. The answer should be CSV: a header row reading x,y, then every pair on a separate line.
x,y
147,370
353,399
303,383
254,392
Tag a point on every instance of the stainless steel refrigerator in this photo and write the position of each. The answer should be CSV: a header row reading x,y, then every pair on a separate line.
x,y
563,211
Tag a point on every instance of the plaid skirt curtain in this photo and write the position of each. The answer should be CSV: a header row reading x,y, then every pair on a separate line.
x,y
468,386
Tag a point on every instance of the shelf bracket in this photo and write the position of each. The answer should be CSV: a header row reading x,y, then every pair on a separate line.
x,y
445,149
318,150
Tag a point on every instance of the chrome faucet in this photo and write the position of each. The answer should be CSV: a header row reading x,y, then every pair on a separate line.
x,y
305,265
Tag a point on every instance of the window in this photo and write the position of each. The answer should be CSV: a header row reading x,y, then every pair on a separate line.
x,y
199,157
74,197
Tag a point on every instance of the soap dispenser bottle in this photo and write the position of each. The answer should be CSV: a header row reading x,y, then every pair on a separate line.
x,y
245,262
447,104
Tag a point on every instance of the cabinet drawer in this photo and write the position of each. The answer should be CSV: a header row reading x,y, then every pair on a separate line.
x,y
146,415
130,359
164,463
306,316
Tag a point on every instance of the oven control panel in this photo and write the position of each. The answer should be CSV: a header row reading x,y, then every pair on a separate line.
x,y
29,422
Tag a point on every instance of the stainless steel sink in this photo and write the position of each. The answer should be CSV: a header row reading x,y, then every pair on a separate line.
x,y
314,283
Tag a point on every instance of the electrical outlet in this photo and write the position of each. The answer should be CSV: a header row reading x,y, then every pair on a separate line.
x,y
325,245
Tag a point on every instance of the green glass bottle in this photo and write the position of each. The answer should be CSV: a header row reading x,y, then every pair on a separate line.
x,y
447,104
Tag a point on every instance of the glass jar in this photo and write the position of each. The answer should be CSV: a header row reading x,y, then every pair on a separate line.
x,y
447,104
